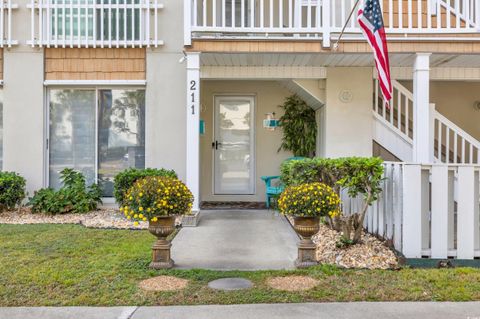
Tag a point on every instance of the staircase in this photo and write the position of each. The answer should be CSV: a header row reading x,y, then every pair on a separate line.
x,y
393,129
462,13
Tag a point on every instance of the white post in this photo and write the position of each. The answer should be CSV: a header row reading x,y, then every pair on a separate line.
x,y
423,130
326,23
193,126
467,207
187,21
440,205
412,211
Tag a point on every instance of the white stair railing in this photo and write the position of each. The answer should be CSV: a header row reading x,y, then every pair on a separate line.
x,y
399,117
92,23
451,143
466,12
454,145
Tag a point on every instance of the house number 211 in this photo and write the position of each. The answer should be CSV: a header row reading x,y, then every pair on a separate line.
x,y
193,88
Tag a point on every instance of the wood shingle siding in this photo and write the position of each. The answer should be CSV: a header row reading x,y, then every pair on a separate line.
x,y
95,64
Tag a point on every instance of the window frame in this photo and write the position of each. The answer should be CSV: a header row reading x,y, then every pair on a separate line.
x,y
96,88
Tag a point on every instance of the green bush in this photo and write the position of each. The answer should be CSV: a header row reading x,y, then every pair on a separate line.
x,y
12,190
73,197
358,175
124,180
299,127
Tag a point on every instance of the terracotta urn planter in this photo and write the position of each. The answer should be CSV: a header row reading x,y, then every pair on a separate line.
x,y
306,227
161,229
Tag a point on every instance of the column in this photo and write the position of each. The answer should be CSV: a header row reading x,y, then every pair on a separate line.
x,y
348,112
422,112
24,131
193,126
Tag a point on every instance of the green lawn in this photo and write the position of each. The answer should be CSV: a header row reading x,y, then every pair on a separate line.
x,y
56,265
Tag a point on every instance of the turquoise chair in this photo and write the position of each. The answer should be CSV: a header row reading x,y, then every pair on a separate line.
x,y
274,191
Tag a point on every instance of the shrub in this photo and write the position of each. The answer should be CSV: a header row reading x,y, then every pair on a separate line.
x,y
12,190
299,127
359,176
312,199
124,180
154,196
73,197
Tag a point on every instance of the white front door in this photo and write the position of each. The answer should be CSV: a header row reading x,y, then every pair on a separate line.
x,y
233,145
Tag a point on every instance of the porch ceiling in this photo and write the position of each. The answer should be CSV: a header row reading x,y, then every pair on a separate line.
x,y
331,60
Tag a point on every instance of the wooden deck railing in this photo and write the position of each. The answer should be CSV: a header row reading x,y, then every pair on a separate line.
x,y
324,19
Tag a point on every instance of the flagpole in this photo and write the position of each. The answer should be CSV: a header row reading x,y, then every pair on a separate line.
x,y
335,46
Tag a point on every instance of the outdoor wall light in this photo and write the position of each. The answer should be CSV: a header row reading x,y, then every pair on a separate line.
x,y
270,123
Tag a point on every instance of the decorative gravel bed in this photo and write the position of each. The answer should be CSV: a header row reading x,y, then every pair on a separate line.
x,y
371,253
102,218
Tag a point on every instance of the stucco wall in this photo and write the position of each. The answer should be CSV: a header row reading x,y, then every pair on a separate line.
x,y
348,125
23,114
269,94
165,144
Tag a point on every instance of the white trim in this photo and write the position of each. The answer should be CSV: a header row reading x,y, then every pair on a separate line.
x,y
192,108
94,82
262,72
439,73
253,100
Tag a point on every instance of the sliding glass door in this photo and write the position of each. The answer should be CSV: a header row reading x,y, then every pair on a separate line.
x,y
121,134
99,132
72,133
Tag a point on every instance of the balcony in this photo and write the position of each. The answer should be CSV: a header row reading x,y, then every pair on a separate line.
x,y
412,20
6,11
94,23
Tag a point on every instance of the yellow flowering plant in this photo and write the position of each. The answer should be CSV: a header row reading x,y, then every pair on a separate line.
x,y
309,200
155,196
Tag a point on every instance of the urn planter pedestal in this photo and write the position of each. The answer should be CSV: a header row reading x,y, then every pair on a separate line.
x,y
306,227
162,228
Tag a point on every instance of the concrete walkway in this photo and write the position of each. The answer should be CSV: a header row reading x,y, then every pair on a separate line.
x,y
360,310
236,240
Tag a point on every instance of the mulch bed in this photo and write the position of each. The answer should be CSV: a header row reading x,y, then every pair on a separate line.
x,y
163,283
292,283
370,253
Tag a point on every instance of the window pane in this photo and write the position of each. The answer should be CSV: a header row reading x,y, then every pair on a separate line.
x,y
72,133
121,134
70,22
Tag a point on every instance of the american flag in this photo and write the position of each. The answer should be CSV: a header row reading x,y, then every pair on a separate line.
x,y
371,21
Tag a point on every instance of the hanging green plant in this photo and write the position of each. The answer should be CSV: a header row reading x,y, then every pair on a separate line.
x,y
299,127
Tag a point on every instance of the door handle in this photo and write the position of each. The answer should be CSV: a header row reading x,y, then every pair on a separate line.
x,y
215,144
